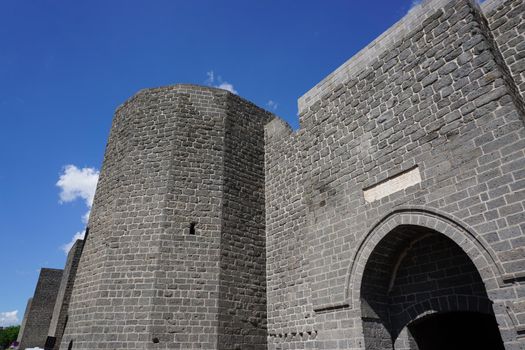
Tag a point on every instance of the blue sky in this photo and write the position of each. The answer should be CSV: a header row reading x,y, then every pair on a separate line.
x,y
66,65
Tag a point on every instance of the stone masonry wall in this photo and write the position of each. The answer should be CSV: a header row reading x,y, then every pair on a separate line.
x,y
186,272
242,290
23,325
208,233
38,318
60,311
290,313
506,20
164,253
97,312
432,95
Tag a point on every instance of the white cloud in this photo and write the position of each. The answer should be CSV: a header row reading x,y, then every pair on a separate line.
x,y
227,86
414,4
67,247
78,183
85,217
211,78
272,105
218,82
75,183
8,318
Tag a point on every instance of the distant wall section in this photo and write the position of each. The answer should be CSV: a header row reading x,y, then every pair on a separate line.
x,y
60,311
38,318
23,325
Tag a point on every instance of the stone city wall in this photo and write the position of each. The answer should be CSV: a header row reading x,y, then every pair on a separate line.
x,y
175,255
215,226
433,93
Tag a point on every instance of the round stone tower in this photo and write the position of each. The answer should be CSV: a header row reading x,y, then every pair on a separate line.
x,y
175,255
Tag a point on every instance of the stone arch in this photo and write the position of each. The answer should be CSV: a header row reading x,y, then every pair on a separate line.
x,y
378,259
474,247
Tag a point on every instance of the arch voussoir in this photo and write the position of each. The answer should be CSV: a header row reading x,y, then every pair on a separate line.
x,y
413,264
479,253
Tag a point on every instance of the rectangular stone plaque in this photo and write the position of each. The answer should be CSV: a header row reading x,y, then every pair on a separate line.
x,y
393,184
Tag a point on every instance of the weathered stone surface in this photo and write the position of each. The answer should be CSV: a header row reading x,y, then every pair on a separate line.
x,y
175,253
38,317
60,311
23,324
449,107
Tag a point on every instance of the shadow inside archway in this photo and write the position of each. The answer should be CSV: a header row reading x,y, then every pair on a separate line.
x,y
456,331
416,271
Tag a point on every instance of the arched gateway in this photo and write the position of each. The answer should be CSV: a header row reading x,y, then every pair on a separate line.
x,y
420,288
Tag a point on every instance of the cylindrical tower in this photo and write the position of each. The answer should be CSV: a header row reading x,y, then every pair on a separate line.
x,y
175,256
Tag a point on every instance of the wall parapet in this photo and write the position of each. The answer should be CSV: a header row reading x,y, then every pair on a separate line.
x,y
366,56
369,53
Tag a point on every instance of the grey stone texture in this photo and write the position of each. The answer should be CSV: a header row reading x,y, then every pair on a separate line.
x,y
432,92
505,20
175,257
215,226
23,324
40,309
60,311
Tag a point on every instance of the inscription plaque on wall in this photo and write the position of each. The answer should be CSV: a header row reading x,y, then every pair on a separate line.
x,y
392,185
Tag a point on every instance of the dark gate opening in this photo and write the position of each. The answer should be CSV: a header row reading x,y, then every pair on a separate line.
x,y
418,279
456,331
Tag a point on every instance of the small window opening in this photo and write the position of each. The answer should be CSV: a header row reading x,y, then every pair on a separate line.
x,y
192,228
50,343
70,346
